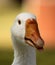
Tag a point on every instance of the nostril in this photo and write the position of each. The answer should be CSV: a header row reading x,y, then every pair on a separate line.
x,y
32,34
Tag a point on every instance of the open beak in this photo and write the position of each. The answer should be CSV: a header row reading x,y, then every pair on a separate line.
x,y
32,35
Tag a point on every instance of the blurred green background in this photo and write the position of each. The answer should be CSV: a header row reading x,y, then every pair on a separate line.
x,y
8,11
46,57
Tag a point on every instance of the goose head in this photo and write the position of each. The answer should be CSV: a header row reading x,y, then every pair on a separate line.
x,y
25,29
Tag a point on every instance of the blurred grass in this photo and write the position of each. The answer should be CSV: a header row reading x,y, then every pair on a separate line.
x,y
47,57
6,56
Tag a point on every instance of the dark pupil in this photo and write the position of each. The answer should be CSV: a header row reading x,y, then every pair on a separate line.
x,y
19,21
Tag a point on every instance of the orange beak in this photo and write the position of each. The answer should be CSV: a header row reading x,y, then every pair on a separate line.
x,y
32,35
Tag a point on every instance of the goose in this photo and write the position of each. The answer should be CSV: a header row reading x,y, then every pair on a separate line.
x,y
26,39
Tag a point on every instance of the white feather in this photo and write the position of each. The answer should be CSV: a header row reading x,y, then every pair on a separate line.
x,y
23,53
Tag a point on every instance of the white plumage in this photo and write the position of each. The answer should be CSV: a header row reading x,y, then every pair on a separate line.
x,y
24,54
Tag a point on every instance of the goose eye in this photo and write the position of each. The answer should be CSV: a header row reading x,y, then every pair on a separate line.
x,y
19,22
